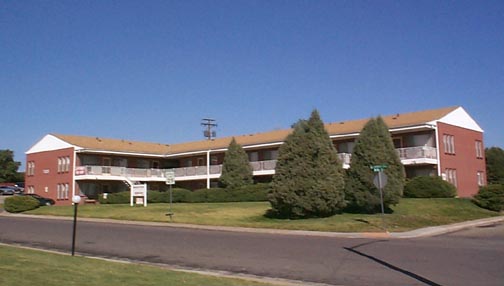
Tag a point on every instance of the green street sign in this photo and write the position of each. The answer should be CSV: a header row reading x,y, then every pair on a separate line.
x,y
379,168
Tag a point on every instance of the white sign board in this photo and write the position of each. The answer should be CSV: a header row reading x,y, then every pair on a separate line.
x,y
139,194
170,177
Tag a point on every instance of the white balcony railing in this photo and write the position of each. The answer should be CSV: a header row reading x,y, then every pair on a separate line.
x,y
423,152
412,153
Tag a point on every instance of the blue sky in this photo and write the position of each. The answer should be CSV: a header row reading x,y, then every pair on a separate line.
x,y
151,70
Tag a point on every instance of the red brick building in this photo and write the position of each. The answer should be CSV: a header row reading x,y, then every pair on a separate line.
x,y
443,142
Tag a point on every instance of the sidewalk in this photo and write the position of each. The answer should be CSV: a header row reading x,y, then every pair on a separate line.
x,y
417,233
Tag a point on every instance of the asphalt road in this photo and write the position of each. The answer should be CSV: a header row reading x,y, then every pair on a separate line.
x,y
469,257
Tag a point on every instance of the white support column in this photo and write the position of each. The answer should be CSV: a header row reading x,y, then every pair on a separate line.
x,y
438,146
208,169
73,172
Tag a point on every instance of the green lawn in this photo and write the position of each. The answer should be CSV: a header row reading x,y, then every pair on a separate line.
x,y
408,214
30,267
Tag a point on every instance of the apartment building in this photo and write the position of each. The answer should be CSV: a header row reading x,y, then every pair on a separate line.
x,y
444,142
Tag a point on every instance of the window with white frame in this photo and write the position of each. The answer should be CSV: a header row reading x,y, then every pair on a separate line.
x,y
481,178
67,164
30,169
65,194
449,144
58,192
479,149
60,165
451,176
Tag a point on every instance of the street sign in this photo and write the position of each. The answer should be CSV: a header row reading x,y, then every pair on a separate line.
x,y
170,177
379,168
380,180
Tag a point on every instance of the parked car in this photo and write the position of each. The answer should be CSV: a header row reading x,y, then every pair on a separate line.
x,y
6,191
42,201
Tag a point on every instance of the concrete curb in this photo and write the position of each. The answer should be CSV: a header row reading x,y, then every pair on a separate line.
x,y
417,233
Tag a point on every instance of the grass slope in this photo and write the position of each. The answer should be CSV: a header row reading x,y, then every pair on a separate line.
x,y
30,267
408,214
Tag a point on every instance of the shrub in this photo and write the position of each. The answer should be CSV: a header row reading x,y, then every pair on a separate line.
x,y
374,146
308,180
248,193
17,204
429,187
115,198
491,197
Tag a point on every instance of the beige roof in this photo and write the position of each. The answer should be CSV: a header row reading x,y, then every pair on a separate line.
x,y
336,128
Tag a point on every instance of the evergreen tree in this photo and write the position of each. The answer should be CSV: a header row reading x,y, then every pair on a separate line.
x,y
8,167
374,146
236,169
308,180
495,165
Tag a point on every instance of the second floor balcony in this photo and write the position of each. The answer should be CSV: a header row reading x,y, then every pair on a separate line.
x,y
409,156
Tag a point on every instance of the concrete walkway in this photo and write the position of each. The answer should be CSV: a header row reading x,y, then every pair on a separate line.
x,y
417,233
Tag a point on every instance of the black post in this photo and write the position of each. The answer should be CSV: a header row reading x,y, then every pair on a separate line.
x,y
74,228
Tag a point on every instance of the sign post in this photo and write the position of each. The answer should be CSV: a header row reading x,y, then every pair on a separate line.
x,y
380,180
170,180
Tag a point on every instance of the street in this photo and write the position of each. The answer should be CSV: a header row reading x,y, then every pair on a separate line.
x,y
468,257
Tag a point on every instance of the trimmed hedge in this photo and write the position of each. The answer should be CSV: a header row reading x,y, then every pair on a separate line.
x,y
491,197
429,187
250,193
18,204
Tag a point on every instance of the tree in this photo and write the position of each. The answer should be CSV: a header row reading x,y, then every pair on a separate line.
x,y
8,167
373,147
308,180
495,165
236,169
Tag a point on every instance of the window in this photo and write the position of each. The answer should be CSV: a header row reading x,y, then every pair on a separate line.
x,y
481,178
479,149
155,165
65,194
201,162
67,164
451,176
214,160
449,144
253,156
60,167
58,192
31,169
31,189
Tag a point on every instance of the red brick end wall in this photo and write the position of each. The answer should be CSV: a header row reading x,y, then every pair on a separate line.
x,y
46,178
464,160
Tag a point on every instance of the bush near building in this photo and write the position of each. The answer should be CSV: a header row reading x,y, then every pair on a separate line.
x,y
374,146
248,193
429,187
308,180
491,197
17,204
236,169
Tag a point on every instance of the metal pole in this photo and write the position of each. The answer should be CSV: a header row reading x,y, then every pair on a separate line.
x,y
381,199
171,198
74,228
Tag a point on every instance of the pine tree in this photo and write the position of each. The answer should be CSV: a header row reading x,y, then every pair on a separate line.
x,y
308,180
236,169
374,146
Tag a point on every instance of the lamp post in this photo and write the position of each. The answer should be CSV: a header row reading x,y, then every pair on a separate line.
x,y
75,200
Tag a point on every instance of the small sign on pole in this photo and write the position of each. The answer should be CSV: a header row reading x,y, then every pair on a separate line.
x,y
170,177
380,180
170,180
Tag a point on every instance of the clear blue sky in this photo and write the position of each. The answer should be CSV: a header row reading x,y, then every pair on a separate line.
x,y
150,70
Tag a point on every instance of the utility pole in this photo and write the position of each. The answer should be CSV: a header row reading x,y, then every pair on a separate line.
x,y
208,123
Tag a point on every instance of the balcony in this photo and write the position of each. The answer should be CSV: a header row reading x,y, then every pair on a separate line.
x,y
418,155
408,156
